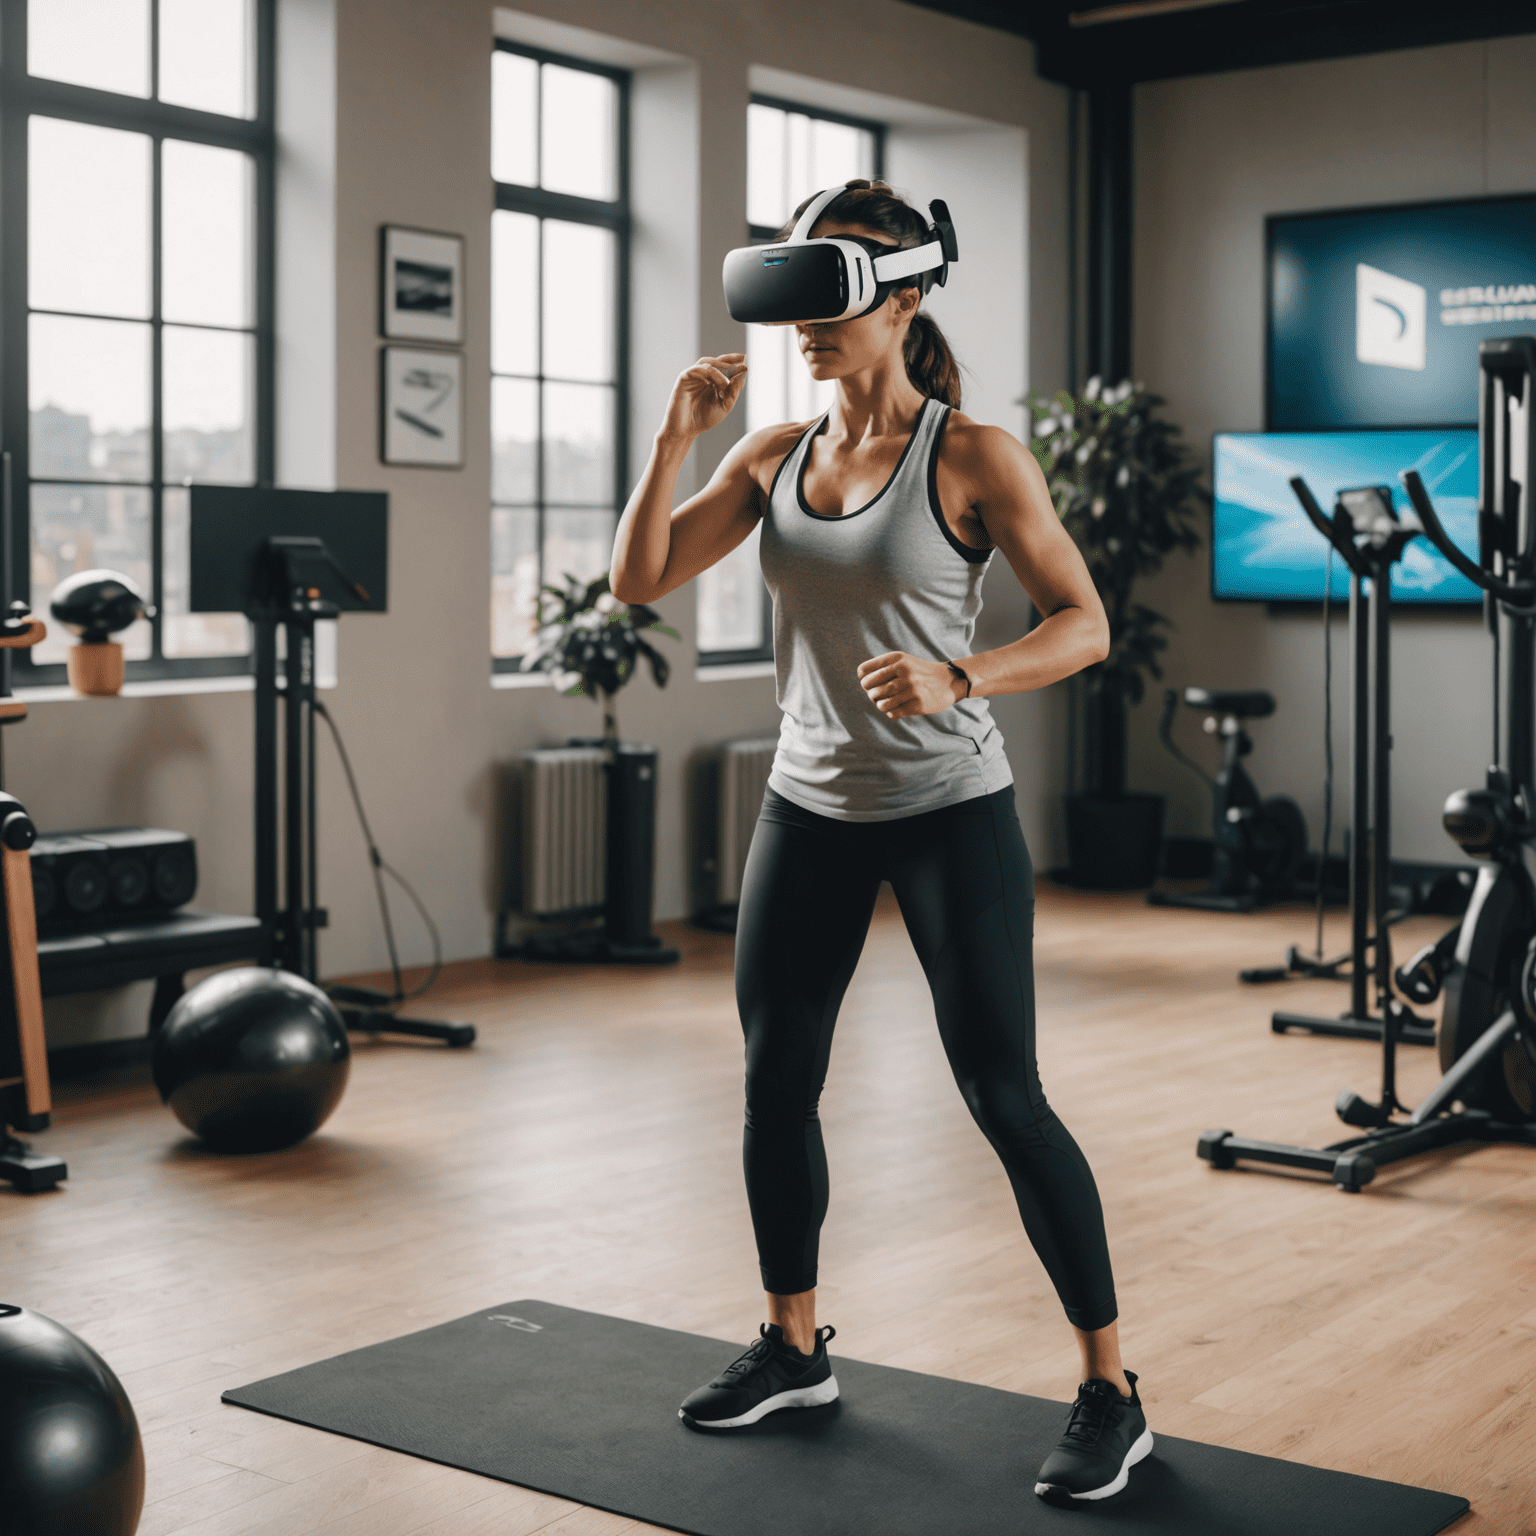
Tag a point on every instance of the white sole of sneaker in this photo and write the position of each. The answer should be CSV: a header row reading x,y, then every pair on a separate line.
x,y
800,1397
1138,1452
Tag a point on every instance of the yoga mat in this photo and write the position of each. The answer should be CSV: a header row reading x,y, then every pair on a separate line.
x,y
585,1406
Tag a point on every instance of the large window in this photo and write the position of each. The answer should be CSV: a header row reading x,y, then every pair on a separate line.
x,y
559,264
136,179
792,151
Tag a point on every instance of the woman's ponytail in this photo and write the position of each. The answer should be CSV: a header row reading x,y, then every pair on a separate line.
x,y
931,366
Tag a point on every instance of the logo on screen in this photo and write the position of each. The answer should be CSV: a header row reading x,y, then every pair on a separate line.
x,y
1390,329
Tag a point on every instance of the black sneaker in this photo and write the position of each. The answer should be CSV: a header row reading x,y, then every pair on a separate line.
x,y
771,1375
1106,1436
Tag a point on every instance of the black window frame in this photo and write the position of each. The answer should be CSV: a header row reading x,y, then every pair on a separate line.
x,y
617,216
763,234
23,96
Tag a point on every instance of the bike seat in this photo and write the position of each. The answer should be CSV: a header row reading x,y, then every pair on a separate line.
x,y
1245,703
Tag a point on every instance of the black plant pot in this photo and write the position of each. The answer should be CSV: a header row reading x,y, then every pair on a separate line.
x,y
1113,840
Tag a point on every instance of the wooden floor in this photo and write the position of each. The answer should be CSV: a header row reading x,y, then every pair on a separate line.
x,y
587,1152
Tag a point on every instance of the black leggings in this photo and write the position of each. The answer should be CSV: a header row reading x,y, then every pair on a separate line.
x,y
963,879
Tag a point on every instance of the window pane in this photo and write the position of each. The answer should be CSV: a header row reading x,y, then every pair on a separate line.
x,y
514,439
205,213
514,292
577,140
798,182
83,528
88,218
183,633
206,55
206,405
514,118
578,444
730,603
769,356
838,153
89,398
104,43
578,301
790,155
766,203
514,579
577,544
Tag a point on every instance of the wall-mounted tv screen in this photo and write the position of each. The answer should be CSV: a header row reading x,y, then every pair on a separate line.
x,y
1375,314
1264,548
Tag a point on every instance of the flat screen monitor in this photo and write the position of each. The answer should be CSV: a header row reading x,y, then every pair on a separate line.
x,y
230,526
1375,314
1264,548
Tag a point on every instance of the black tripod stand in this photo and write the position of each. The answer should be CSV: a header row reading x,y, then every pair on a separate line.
x,y
1370,539
294,925
246,557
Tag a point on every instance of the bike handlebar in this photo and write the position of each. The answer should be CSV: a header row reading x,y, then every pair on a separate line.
x,y
1319,520
1521,596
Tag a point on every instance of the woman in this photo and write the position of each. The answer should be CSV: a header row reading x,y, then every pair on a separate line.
x,y
878,522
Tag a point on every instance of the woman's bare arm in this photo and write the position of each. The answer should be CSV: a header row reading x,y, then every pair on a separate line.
x,y
656,549
1005,488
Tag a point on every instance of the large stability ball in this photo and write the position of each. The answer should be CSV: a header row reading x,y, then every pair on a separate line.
x,y
252,1059
70,1456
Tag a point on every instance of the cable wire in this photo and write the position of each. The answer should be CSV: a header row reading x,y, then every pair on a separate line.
x,y
380,869
1322,858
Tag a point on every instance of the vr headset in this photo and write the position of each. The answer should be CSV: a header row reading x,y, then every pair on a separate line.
x,y
835,277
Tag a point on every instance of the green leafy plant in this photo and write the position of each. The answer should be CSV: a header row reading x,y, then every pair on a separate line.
x,y
590,643
1128,491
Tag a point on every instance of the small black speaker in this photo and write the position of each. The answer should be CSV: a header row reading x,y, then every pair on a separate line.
x,y
84,880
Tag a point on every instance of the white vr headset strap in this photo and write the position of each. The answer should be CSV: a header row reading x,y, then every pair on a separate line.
x,y
801,233
922,258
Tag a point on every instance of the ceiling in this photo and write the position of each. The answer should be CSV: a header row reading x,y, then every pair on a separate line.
x,y
1086,42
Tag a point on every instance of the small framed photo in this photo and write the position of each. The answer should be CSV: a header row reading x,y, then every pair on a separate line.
x,y
423,407
421,285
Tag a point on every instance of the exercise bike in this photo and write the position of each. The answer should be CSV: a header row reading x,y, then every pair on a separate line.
x,y
1259,843
1486,965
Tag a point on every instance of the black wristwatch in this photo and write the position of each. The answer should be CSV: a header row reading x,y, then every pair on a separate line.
x,y
962,673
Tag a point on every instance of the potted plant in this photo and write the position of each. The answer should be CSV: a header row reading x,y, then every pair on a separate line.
x,y
592,644
1128,491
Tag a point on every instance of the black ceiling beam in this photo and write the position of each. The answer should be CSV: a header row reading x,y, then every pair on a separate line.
x,y
1249,35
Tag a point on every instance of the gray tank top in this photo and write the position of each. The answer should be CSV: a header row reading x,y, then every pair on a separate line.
x,y
890,576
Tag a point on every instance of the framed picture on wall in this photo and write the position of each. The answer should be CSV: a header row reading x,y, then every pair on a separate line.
x,y
422,407
421,284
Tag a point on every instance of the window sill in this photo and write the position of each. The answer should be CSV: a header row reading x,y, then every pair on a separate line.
x,y
732,671
519,679
152,688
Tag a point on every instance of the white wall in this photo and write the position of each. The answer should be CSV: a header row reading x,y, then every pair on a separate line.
x,y
1214,155
407,143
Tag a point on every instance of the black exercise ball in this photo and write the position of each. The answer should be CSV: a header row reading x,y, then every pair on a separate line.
x,y
96,604
252,1059
70,1455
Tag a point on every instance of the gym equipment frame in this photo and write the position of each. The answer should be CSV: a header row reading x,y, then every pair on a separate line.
x,y
26,1102
247,556
1368,536
1487,1033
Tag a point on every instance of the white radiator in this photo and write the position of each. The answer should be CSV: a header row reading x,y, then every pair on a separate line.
x,y
564,821
742,778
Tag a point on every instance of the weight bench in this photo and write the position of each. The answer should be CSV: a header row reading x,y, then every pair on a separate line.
x,y
161,949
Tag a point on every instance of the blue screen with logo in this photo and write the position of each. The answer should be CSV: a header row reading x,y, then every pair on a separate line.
x,y
1376,314
1265,549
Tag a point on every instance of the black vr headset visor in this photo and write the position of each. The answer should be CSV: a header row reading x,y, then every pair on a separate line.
x,y
834,277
